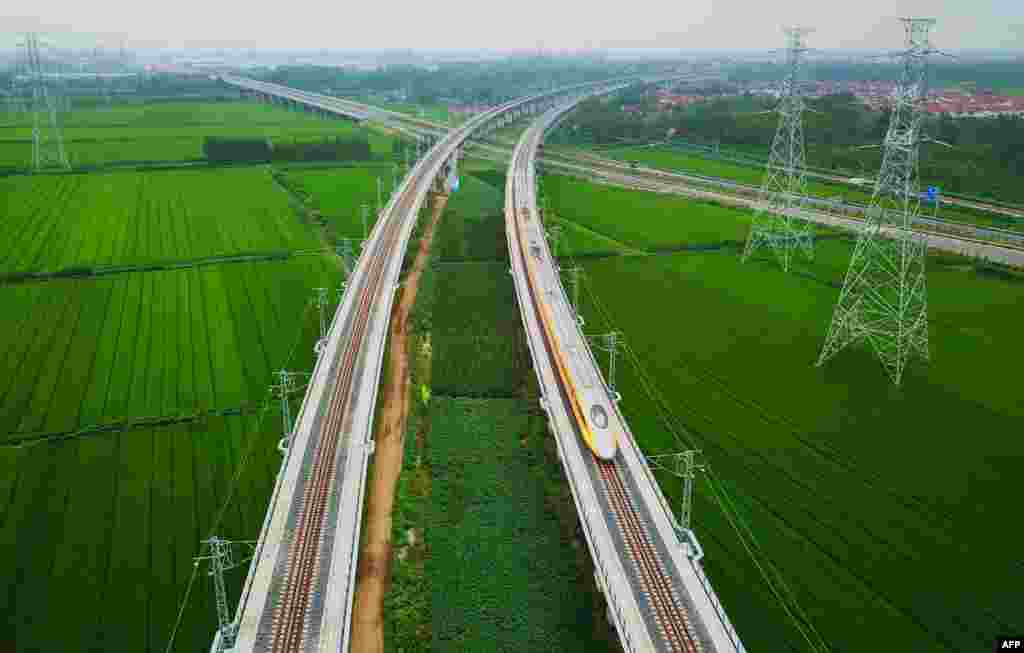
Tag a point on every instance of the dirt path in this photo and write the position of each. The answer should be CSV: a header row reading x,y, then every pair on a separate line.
x,y
375,558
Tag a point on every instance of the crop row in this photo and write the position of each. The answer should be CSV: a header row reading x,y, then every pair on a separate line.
x,y
147,344
102,532
645,221
338,194
55,222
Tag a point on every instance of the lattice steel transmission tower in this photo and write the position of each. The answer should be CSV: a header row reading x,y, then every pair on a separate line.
x,y
44,103
884,299
777,221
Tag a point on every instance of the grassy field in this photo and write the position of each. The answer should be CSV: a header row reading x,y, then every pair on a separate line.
x,y
876,503
132,402
53,222
338,194
644,221
146,344
170,131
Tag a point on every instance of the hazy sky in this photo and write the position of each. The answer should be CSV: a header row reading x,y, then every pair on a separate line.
x,y
456,24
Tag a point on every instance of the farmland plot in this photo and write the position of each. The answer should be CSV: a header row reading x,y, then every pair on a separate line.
x,y
860,493
503,571
53,223
174,131
148,344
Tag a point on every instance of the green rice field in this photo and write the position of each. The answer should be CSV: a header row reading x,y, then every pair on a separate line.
x,y
170,131
54,222
876,504
337,194
134,407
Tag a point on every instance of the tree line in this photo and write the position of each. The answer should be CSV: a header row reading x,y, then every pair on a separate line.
x,y
236,150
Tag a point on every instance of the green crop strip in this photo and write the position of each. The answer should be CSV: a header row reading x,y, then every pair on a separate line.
x,y
858,494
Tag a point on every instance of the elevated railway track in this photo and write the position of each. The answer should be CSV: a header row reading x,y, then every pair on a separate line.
x,y
299,592
657,595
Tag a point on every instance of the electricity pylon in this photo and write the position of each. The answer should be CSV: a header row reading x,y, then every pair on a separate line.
x,y
884,299
47,138
777,220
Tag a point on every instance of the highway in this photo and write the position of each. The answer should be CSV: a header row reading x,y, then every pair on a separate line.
x,y
657,595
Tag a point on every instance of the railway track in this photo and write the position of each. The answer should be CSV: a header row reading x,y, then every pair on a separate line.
x,y
290,614
671,619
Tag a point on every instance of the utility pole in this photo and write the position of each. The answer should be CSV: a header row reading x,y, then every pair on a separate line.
x,y
609,342
284,388
347,256
222,559
574,283
320,297
554,238
682,465
884,298
778,221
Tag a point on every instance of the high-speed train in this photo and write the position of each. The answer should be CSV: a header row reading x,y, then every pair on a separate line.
x,y
584,387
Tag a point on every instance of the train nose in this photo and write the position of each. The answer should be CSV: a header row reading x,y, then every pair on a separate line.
x,y
605,446
604,440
